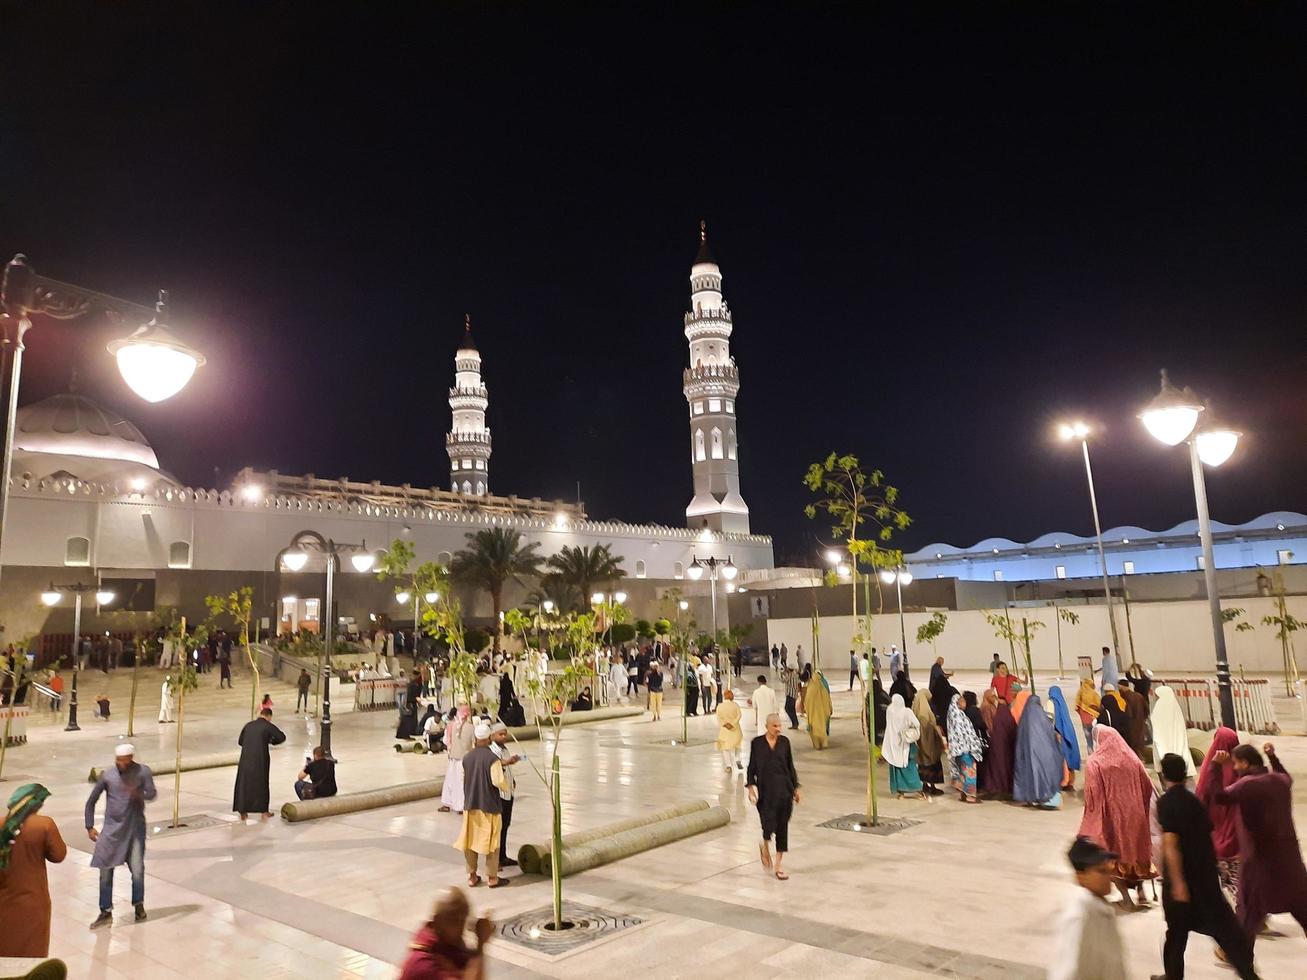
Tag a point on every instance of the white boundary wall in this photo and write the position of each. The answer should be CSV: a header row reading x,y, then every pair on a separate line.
x,y
1168,636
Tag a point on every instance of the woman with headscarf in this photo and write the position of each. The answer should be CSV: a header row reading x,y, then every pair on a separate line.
x,y
1118,793
511,712
1112,713
903,688
1213,778
1037,773
1136,713
1141,680
902,731
1170,734
730,733
1088,706
941,696
1000,759
971,709
989,708
964,751
27,841
881,702
817,709
1067,739
1019,700
930,745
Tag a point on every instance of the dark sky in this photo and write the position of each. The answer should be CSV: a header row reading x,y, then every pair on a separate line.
x,y
938,237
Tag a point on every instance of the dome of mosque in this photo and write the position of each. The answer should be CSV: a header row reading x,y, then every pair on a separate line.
x,y
69,435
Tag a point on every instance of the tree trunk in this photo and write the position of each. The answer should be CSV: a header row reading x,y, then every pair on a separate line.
x,y
131,705
177,779
496,597
556,842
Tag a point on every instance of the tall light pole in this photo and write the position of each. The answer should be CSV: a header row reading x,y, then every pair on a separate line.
x,y
1172,417
402,597
726,569
294,557
1079,430
52,597
608,601
899,577
153,362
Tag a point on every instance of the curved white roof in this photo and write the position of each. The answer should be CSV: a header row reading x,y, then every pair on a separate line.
x,y
73,425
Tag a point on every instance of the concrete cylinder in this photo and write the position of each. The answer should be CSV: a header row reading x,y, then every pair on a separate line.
x,y
299,810
533,858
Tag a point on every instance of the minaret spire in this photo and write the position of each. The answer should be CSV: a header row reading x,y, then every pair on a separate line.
x,y
468,440
711,384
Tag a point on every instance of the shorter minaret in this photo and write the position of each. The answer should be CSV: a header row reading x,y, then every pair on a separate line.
x,y
468,440
711,385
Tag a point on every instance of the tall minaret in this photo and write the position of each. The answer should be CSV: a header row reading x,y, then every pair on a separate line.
x,y
468,440
711,383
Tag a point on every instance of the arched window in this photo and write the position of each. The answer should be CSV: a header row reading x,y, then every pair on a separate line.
x,y
639,569
730,444
77,551
179,554
698,446
716,443
678,570
444,558
467,486
453,486
481,488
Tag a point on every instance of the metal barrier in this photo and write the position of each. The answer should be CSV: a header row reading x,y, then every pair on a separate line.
x,y
375,695
1200,701
16,718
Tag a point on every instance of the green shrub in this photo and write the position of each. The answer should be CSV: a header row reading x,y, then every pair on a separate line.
x,y
644,629
476,640
622,633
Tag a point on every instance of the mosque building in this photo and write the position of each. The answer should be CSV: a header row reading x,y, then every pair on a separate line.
x,y
91,501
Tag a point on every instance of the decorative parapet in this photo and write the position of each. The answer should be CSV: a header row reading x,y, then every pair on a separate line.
x,y
712,373
467,438
347,498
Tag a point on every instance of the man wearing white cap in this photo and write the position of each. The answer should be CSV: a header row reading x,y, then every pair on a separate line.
x,y
499,746
127,786
484,780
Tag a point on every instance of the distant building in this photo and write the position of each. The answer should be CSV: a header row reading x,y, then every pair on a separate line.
x,y
1278,538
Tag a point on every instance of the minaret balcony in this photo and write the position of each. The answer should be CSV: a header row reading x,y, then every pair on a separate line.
x,y
712,373
470,439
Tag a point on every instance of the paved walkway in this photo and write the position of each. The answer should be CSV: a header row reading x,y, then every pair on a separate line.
x,y
969,892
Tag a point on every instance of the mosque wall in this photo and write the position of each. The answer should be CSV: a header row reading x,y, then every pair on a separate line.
x,y
1172,637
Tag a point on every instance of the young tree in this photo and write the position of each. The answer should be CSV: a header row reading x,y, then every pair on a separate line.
x,y
239,605
493,557
1286,624
931,630
184,679
577,570
1004,630
864,514
1070,617
420,581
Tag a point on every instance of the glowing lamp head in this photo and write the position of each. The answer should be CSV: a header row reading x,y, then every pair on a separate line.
x,y
1216,444
905,577
1172,414
103,597
842,570
153,362
295,560
683,605
695,571
402,597
547,605
432,598
619,597
832,556
363,561
730,587
51,596
251,492
887,576
598,599
1072,430
729,571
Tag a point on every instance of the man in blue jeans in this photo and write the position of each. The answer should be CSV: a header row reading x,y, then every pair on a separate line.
x,y
127,787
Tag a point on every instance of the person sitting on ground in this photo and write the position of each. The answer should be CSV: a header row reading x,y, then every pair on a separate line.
x,y
102,707
439,952
318,780
584,701
433,729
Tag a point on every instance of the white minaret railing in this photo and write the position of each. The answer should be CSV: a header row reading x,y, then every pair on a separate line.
x,y
468,439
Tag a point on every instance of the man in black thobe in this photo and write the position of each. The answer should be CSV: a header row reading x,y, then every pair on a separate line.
x,y
774,789
252,793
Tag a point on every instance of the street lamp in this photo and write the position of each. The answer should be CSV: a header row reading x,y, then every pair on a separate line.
x,y
1172,417
154,363
899,577
1079,430
294,557
715,567
607,601
52,597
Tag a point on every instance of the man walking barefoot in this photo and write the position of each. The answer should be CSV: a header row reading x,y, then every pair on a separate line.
x,y
773,789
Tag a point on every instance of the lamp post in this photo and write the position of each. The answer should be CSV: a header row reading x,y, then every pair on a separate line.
x,y
52,597
1172,417
899,577
153,362
725,569
1079,430
402,597
684,666
607,601
294,557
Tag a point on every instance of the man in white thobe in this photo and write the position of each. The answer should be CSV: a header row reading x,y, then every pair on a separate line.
x,y
764,703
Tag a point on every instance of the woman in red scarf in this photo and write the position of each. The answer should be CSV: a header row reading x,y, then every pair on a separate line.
x,y
1212,779
1118,792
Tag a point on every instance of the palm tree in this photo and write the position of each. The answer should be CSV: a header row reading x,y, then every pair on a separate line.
x,y
491,558
581,568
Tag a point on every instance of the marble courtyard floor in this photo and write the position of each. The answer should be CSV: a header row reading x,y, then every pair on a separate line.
x,y
967,892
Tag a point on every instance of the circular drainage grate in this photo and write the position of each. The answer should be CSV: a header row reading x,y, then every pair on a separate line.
x,y
857,822
582,924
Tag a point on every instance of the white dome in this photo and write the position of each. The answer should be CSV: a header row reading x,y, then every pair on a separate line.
x,y
73,425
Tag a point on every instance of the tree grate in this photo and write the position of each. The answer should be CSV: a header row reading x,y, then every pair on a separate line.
x,y
857,822
190,824
533,930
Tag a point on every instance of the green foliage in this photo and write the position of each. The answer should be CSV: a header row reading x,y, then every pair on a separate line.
x,y
491,558
475,640
1005,629
644,629
622,633
662,627
1286,624
575,571
931,629
425,578
1068,615
851,498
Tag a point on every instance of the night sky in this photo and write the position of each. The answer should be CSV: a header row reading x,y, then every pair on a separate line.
x,y
938,237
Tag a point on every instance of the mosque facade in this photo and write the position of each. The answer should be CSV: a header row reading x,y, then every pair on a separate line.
x,y
91,501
